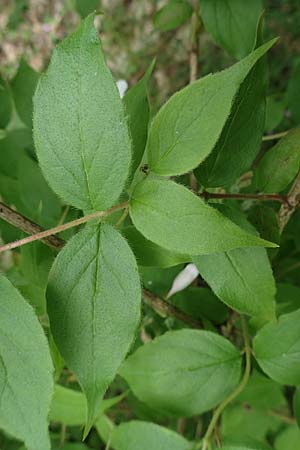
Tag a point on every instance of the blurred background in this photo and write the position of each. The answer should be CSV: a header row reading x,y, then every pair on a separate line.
x,y
133,35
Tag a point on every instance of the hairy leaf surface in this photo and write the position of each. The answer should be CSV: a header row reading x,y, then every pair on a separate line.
x,y
277,349
206,367
26,383
80,129
173,217
137,435
95,309
191,122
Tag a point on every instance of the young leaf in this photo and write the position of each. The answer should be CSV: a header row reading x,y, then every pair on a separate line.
x,y
95,310
277,349
242,278
241,136
232,23
205,365
5,104
172,15
26,383
149,254
80,130
137,435
190,123
173,217
137,108
23,87
279,165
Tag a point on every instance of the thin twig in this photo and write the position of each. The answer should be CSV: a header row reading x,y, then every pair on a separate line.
x,y
42,235
272,137
18,220
236,392
287,209
286,419
194,43
167,309
23,223
238,196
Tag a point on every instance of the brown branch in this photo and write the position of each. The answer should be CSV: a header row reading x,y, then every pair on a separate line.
x,y
262,197
288,208
23,223
167,309
19,221
47,235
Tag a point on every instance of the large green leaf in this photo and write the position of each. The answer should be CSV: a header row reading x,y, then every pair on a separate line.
x,y
137,435
95,310
241,136
173,217
191,122
26,383
280,164
80,129
232,23
242,278
277,349
137,108
206,367
23,87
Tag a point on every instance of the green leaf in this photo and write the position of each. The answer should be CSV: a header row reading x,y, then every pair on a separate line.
x,y
242,278
86,7
241,448
80,129
191,122
205,365
288,439
11,149
296,405
69,407
246,426
287,298
262,393
277,349
275,107
149,254
26,383
40,203
137,435
23,87
201,303
137,107
95,310
279,165
5,104
172,15
232,24
292,96
241,136
173,217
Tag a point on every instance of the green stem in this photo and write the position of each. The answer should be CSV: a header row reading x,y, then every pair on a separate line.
x,y
236,392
